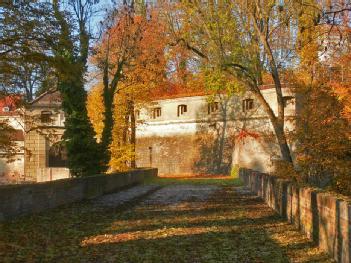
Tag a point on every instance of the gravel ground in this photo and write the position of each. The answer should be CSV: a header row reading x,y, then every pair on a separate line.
x,y
178,223
175,194
119,198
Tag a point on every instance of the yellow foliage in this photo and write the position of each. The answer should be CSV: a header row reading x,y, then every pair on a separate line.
x,y
122,151
95,107
121,156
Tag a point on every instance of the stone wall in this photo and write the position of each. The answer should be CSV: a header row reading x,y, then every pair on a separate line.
x,y
322,216
41,134
209,141
52,174
36,157
17,200
192,154
35,154
13,171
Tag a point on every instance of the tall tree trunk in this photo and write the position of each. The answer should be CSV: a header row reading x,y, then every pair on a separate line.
x,y
108,95
125,126
106,136
277,121
133,133
283,144
278,124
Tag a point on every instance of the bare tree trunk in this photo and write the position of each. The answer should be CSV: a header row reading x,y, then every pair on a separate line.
x,y
133,133
277,121
125,127
108,95
106,137
278,124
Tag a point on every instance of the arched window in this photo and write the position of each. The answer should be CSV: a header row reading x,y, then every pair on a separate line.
x,y
58,155
182,109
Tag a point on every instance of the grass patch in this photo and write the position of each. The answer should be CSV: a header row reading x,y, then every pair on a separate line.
x,y
221,181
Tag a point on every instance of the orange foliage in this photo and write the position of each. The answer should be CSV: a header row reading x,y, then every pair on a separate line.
x,y
342,88
134,47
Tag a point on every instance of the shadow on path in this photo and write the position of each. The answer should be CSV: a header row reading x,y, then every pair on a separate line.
x,y
212,224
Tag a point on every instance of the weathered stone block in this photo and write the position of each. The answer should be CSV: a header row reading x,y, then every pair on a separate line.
x,y
325,219
25,199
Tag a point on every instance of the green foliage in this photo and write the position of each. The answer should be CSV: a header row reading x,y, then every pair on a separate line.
x,y
82,149
25,63
201,180
84,153
218,81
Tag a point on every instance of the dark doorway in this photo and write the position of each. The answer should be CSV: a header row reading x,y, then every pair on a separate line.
x,y
58,155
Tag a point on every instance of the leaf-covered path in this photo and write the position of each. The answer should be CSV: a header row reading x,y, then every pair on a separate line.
x,y
173,221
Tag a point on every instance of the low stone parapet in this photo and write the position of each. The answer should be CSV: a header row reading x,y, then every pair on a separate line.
x,y
17,200
323,217
52,173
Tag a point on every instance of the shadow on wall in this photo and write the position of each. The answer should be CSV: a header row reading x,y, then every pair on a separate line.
x,y
226,133
215,139
233,135
215,154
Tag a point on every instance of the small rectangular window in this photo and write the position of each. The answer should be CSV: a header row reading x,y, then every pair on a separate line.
x,y
46,116
288,100
156,112
182,109
137,114
212,107
248,104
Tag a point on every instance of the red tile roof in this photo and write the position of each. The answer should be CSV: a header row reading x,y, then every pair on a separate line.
x,y
8,105
181,93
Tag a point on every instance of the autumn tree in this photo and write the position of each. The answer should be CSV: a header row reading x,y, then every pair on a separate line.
x,y
245,39
323,128
130,59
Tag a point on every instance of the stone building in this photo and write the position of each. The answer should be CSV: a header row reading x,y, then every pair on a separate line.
x,y
12,168
45,156
180,136
202,135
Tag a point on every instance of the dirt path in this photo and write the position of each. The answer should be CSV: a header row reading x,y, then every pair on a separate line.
x,y
175,223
